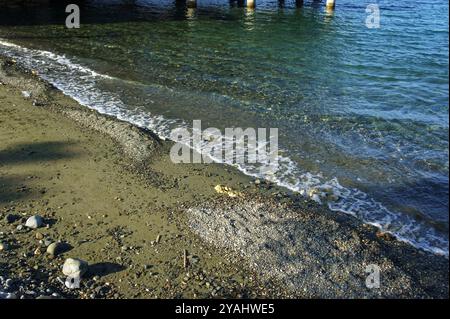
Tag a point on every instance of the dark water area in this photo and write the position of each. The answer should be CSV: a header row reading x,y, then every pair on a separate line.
x,y
361,110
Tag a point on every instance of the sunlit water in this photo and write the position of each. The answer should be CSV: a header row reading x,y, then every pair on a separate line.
x,y
361,111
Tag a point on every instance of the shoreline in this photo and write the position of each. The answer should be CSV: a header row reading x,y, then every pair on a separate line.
x,y
320,190
267,229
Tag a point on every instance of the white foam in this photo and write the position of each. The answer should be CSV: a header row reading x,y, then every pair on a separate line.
x,y
338,198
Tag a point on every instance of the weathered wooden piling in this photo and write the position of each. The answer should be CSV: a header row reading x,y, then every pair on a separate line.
x,y
251,3
191,3
330,4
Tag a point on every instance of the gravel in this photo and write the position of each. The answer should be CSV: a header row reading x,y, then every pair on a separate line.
x,y
318,254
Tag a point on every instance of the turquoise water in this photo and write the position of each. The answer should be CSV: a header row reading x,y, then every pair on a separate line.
x,y
361,111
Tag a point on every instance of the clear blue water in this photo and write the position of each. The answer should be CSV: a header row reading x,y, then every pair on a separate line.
x,y
362,111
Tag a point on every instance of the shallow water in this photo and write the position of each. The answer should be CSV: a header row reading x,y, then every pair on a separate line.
x,y
363,111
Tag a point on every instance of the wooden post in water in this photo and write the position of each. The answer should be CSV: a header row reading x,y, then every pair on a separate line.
x,y
251,3
191,3
299,3
330,4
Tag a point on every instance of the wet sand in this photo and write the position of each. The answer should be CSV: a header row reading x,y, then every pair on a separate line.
x,y
110,191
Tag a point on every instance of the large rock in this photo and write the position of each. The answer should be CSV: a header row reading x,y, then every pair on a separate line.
x,y
34,222
74,267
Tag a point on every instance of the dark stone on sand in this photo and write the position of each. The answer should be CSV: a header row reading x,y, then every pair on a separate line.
x,y
11,218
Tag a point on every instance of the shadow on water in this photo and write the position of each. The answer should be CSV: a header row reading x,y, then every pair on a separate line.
x,y
15,187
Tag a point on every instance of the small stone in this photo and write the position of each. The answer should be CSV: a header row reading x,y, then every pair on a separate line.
x,y
19,227
10,218
11,296
34,222
9,283
37,251
385,236
39,236
55,248
26,94
38,103
74,267
3,246
101,290
194,259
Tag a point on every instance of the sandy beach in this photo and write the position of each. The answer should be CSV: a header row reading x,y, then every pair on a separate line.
x,y
153,229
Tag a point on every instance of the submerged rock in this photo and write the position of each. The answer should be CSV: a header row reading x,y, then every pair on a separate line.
x,y
34,222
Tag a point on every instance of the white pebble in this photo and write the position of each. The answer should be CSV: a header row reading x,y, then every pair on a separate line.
x,y
34,222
